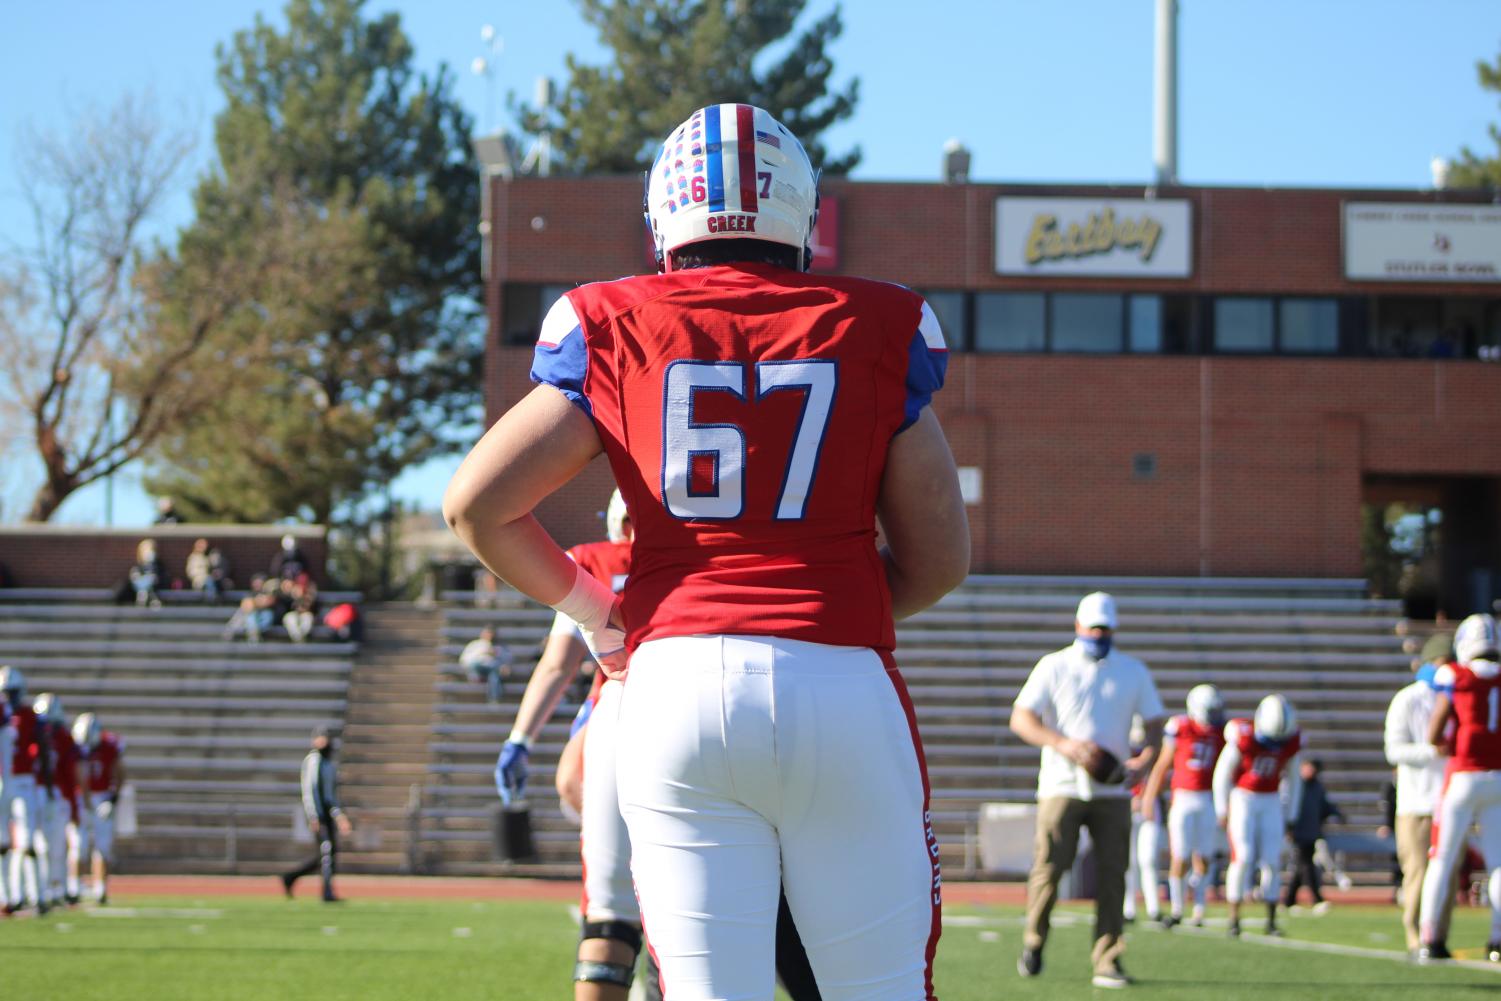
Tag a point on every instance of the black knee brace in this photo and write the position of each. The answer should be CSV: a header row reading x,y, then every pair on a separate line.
x,y
594,972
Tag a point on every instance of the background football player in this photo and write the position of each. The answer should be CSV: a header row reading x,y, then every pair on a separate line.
x,y
104,777
1191,746
19,803
1257,775
1469,694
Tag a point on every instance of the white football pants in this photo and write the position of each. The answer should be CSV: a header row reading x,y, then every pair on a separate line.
x,y
604,842
751,763
1255,827
1468,797
1191,826
20,808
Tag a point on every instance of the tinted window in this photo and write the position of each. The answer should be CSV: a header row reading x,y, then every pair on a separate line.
x,y
949,308
1087,322
1309,325
1242,325
1009,321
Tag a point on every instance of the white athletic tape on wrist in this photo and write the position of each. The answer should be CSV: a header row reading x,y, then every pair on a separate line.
x,y
517,737
588,603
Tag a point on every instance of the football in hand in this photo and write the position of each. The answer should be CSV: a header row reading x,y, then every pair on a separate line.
x,y
1105,768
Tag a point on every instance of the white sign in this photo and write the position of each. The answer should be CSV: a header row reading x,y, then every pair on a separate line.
x,y
1094,236
1405,242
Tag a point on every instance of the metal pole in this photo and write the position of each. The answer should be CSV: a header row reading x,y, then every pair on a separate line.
x,y
1165,87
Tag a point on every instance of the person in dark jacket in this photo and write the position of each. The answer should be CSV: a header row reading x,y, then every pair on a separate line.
x,y
325,818
1314,807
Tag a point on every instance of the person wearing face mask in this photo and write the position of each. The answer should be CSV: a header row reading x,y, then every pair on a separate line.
x,y
1077,706
325,818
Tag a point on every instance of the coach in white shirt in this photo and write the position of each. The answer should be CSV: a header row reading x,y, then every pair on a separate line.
x,y
1420,779
1077,706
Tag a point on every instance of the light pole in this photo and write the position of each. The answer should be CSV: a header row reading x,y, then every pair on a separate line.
x,y
484,65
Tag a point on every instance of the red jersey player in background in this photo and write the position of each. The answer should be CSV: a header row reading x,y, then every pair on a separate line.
x,y
1469,694
757,420
1258,764
1191,746
104,773
60,803
20,803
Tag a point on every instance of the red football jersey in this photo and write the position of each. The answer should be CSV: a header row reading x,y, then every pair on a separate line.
x,y
1196,750
1477,714
1261,767
746,411
607,562
65,766
103,760
23,760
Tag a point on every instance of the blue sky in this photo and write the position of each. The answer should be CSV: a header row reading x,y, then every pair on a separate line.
x,y
1358,93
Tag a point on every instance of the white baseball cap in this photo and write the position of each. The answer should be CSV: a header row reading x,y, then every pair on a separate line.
x,y
1097,609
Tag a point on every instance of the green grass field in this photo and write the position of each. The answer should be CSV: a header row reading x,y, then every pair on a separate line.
x,y
262,949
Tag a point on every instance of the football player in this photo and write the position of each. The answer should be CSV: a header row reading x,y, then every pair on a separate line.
x,y
60,809
19,800
1191,746
757,419
1256,776
611,934
104,778
1469,695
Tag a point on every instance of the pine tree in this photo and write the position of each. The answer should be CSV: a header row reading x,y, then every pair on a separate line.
x,y
672,57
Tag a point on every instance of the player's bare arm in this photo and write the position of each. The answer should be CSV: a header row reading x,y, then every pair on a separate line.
x,y
1137,765
558,665
537,446
922,513
1438,722
1155,780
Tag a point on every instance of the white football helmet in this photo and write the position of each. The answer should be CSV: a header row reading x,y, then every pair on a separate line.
x,y
615,516
1205,704
48,707
1475,639
1275,720
86,730
731,171
12,680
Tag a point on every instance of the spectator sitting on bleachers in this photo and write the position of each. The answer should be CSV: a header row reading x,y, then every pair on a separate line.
x,y
256,614
487,661
289,563
301,596
166,512
207,570
146,574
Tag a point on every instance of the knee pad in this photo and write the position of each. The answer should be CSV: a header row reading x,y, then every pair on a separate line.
x,y
595,972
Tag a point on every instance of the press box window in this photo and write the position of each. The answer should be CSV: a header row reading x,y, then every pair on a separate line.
x,y
1087,323
1010,321
1308,326
1243,325
949,308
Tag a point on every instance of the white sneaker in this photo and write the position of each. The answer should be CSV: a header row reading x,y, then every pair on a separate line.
x,y
1321,908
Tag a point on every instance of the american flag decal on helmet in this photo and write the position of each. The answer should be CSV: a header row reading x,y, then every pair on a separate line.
x,y
766,137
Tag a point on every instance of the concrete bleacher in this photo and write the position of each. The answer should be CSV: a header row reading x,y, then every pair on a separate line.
x,y
215,730
1325,645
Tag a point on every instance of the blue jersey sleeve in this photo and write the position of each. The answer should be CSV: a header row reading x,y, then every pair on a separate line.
x,y
927,361
561,358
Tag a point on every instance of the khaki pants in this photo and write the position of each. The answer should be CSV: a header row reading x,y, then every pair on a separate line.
x,y
1413,837
1058,823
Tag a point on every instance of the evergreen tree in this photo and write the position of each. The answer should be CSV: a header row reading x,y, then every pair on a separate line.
x,y
370,341
1471,170
672,57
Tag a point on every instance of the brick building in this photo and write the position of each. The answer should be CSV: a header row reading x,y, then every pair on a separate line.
x,y
1195,381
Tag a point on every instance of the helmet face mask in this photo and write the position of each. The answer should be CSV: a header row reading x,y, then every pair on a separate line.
x,y
731,171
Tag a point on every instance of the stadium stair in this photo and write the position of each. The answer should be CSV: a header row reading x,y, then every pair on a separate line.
x,y
214,730
1326,646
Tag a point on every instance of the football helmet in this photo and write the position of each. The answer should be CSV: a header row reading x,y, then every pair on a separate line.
x,y
1205,704
12,680
1275,720
1475,639
48,707
615,516
86,730
731,171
